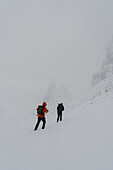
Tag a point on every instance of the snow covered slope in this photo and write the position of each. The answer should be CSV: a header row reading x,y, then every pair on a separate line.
x,y
82,141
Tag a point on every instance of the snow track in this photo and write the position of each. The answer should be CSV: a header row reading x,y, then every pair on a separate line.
x,y
83,140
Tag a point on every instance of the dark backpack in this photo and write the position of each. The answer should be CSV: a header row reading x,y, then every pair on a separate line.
x,y
40,110
60,107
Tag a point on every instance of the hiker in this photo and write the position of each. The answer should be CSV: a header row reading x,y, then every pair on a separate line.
x,y
60,108
41,110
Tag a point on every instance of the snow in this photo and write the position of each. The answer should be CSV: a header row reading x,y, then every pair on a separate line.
x,y
82,141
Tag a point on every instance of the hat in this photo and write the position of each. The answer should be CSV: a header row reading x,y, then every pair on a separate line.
x,y
44,103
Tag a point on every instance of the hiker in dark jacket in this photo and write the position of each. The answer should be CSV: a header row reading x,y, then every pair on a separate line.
x,y
60,108
41,110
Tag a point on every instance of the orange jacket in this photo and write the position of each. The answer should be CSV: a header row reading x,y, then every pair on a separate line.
x,y
44,110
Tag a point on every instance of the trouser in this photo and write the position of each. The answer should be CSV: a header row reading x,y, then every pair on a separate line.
x,y
38,122
59,116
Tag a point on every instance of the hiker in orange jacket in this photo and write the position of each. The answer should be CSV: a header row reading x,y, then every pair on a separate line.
x,y
41,110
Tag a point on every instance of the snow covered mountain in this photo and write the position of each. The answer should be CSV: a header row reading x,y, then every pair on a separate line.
x,y
106,69
82,141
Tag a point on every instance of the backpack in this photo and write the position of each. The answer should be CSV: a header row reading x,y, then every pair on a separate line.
x,y
40,110
60,107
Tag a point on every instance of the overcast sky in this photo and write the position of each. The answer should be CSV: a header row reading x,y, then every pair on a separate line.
x,y
61,39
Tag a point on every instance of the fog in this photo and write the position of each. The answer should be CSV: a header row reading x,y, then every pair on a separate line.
x,y
61,39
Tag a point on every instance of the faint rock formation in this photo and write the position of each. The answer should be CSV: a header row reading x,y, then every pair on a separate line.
x,y
51,92
106,69
56,94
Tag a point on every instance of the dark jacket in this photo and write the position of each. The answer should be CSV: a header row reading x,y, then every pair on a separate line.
x,y
60,108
